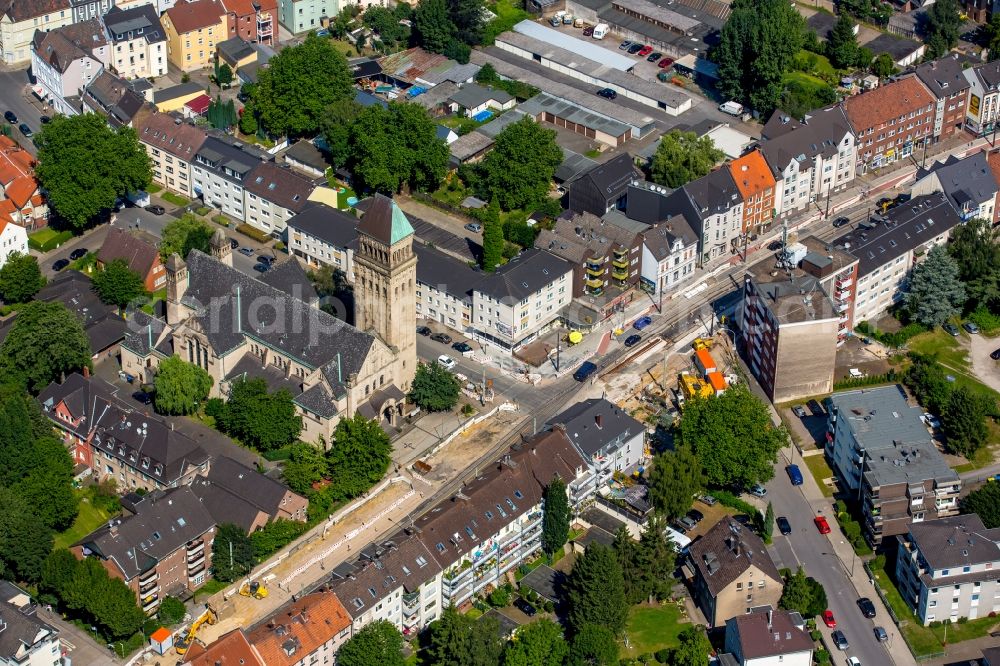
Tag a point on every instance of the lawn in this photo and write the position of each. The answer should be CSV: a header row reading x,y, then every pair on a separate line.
x,y
210,588
653,627
175,199
965,631
87,520
820,471
921,639
153,188
158,295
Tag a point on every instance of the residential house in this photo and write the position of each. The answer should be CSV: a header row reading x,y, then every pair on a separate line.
x,y
176,97
309,630
64,61
219,172
13,239
947,569
472,99
771,637
193,29
21,200
84,10
253,20
306,158
112,98
604,187
141,256
234,493
731,573
324,235
713,206
983,108
669,246
444,288
229,649
172,145
274,193
883,453
25,640
945,78
809,159
836,269
300,16
20,19
891,121
237,53
116,440
968,183
790,326
139,43
757,186
889,245
164,546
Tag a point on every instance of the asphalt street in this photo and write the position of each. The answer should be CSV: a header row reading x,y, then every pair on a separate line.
x,y
13,84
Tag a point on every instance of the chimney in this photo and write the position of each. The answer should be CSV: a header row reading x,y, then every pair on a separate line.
x,y
599,420
86,372
736,547
770,614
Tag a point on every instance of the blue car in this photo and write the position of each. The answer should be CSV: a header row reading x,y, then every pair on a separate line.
x,y
794,474
584,371
642,322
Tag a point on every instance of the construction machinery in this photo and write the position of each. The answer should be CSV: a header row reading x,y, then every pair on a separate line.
x,y
703,343
208,616
253,589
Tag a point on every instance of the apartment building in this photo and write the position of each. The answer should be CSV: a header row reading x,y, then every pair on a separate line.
x,y
230,648
757,187
891,122
21,200
790,325
253,20
309,630
713,206
21,19
887,246
768,638
810,159
138,42
219,174
322,235
25,640
883,453
300,16
84,10
164,545
968,183
983,108
731,573
113,98
172,145
140,254
947,569
274,193
444,288
193,29
669,246
945,79
837,272
66,60
604,187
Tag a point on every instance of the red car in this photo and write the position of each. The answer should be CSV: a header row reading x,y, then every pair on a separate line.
x,y
666,62
828,619
822,525
645,51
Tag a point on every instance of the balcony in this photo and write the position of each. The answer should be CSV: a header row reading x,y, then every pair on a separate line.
x,y
594,284
620,274
620,263
150,603
843,306
843,283
192,572
595,271
264,27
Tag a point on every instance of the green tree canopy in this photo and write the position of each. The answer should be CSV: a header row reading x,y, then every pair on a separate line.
x,y
336,129
964,420
85,166
458,640
25,540
171,610
803,594
540,643
555,521
935,291
595,591
926,378
305,466
991,36
299,85
45,342
184,234
263,420
682,157
733,436
434,29
941,27
360,455
20,278
467,15
118,284
377,644
694,649
842,46
493,240
434,388
883,66
47,485
518,171
594,645
675,479
180,387
232,553
975,247
984,502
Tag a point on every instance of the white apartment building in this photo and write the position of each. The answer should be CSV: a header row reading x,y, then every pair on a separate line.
x,y
26,640
13,238
771,638
65,61
322,235
139,45
983,109
274,193
968,183
171,144
669,256
713,207
218,175
947,569
444,288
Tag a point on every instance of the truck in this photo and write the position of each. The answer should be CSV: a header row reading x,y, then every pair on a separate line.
x,y
732,108
600,31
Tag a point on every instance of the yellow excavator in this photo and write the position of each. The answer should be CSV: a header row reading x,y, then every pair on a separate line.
x,y
254,589
207,617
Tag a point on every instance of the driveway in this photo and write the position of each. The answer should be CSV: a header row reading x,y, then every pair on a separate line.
x,y
983,367
77,644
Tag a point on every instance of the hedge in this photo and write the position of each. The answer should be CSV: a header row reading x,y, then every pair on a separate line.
x,y
870,380
897,339
51,241
254,233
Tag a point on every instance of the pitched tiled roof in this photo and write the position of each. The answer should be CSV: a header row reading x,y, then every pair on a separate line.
x,y
770,634
723,553
57,50
23,632
944,76
751,174
291,278
16,173
594,424
279,185
170,134
25,10
125,24
232,649
330,225
188,15
112,97
300,628
88,35
956,541
872,108
137,253
524,275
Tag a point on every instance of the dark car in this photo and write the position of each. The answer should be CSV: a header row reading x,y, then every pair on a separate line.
x,y
632,340
841,221
642,322
867,607
607,93
880,635
840,640
462,347
60,264
635,48
246,251
78,253
970,327
25,130
261,267
265,259
654,56
687,522
901,199
443,338
584,371
794,474
525,607
45,120
951,328
423,330
588,31
156,210
784,526
143,397
233,243
696,515
774,246
677,527
10,117
995,355
624,45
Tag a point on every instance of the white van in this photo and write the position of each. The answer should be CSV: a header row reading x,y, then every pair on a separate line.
x,y
600,31
732,108
679,540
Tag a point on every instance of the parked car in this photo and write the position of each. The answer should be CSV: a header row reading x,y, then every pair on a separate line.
x,y
758,490
10,117
687,523
930,420
25,130
447,362
155,209
853,661
642,322
799,411
995,355
607,93
666,62
474,227
828,619
588,31
841,221
624,45
867,607
78,253
696,515
525,607
901,198
265,259
880,635
645,51
261,267
632,340
423,330
794,475
45,120
970,327
634,48
60,264
677,527
840,640
143,397
462,347
246,251
654,56
586,369
443,338
784,526
951,328
708,499
233,243
822,525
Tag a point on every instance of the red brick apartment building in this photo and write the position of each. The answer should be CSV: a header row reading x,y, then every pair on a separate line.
x,y
891,122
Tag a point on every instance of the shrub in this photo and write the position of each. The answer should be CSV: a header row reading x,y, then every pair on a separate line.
x,y
44,242
214,407
822,657
253,232
663,656
985,320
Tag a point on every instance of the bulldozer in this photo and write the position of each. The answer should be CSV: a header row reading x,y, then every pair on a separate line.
x,y
254,589
703,343
208,616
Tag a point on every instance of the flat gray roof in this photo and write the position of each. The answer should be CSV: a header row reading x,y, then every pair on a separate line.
x,y
664,15
574,113
588,49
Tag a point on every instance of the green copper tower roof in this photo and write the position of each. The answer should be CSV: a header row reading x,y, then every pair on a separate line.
x,y
384,221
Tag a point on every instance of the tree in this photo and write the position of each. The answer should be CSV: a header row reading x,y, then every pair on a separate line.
x,y
694,648
964,420
733,436
991,35
20,278
842,46
262,420
336,129
434,388
118,284
926,378
299,85
595,591
682,157
803,594
675,479
756,48
184,234
594,645
378,643
248,119
85,166
883,66
386,24
222,74
180,387
935,291
555,522
540,643
458,640
467,15
305,466
657,556
45,342
984,502
48,485
519,169
25,540
942,27
171,610
360,455
492,237
975,247
232,553
769,523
